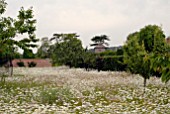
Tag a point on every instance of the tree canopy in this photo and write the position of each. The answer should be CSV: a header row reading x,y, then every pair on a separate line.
x,y
100,40
145,53
10,28
153,38
67,49
43,51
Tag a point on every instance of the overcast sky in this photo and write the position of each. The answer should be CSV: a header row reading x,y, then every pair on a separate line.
x,y
115,18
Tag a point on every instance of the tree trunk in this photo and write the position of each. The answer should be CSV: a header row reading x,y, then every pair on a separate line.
x,y
10,67
144,85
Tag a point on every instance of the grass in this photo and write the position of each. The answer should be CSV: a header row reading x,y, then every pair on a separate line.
x,y
63,90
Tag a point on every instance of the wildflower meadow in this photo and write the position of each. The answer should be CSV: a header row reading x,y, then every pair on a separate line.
x,y
60,90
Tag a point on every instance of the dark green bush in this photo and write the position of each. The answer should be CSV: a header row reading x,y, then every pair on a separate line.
x,y
21,64
32,64
107,61
108,53
113,63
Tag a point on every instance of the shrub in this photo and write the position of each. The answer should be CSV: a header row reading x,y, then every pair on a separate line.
x,y
113,63
108,53
21,64
32,64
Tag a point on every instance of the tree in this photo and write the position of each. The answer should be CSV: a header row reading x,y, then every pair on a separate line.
x,y
134,35
136,58
17,55
28,54
88,59
153,38
161,64
100,40
145,53
43,50
10,28
68,50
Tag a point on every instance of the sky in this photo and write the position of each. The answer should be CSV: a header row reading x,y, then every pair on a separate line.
x,y
88,18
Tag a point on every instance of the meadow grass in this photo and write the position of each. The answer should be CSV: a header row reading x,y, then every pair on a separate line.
x,y
61,90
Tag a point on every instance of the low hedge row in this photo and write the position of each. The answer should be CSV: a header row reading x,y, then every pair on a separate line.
x,y
105,63
113,63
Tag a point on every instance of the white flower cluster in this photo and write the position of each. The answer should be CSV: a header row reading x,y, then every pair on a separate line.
x,y
62,90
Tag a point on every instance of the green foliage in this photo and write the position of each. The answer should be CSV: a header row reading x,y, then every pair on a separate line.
x,y
112,60
107,61
28,54
132,36
17,55
153,38
56,96
21,64
136,59
108,53
68,50
43,50
145,53
119,51
32,64
3,78
2,6
113,63
10,28
3,59
88,60
100,40
161,64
